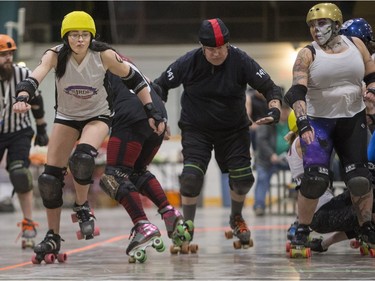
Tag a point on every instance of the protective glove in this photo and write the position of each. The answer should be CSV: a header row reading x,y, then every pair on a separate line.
x,y
41,137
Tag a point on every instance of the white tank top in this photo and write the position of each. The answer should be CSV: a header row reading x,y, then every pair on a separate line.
x,y
335,83
81,94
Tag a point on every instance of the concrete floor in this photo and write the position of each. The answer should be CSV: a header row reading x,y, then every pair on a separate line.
x,y
104,258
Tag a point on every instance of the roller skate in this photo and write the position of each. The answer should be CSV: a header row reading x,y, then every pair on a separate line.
x,y
28,233
299,246
48,249
365,240
144,234
241,231
180,231
85,217
315,245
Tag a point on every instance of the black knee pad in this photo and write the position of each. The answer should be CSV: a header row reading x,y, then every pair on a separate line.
x,y
241,180
190,184
139,179
82,163
50,183
357,179
314,182
115,182
20,177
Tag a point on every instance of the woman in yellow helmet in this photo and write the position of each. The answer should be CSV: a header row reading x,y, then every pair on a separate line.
x,y
83,113
326,96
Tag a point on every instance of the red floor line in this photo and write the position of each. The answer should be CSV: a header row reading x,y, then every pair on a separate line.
x,y
122,237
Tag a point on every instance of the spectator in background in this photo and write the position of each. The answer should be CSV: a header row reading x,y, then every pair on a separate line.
x,y
270,157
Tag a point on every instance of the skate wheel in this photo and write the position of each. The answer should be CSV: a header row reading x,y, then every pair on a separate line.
x,y
35,260
287,246
23,245
228,234
237,244
79,235
354,244
158,244
173,250
251,242
185,248
140,256
190,225
74,217
132,260
193,248
96,231
372,253
62,257
364,251
307,253
49,258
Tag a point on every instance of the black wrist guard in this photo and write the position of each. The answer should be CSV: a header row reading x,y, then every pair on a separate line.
x,y
41,137
22,99
274,113
29,85
152,112
303,124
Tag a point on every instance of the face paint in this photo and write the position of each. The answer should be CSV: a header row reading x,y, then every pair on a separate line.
x,y
321,30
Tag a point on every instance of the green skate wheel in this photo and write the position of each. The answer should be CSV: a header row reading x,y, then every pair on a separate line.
x,y
180,230
190,225
158,245
140,256
187,236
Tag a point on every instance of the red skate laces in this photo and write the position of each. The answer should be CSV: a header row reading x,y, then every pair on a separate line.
x,y
240,224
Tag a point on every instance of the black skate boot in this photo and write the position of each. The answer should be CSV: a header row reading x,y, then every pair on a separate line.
x,y
241,231
316,245
48,249
299,246
85,218
28,233
180,231
292,230
144,234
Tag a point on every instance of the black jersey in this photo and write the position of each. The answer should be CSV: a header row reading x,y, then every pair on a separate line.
x,y
214,96
127,106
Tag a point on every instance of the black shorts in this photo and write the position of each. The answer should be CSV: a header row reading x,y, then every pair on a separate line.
x,y
232,149
79,125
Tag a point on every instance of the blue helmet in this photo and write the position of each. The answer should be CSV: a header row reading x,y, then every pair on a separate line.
x,y
357,27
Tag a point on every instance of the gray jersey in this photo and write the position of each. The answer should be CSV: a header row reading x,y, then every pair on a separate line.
x,y
81,94
335,83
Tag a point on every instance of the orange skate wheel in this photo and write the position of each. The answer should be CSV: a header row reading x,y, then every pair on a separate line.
x,y
193,248
228,234
184,248
237,244
372,253
173,250
287,246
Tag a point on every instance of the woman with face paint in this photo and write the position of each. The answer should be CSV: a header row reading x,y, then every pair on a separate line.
x,y
327,97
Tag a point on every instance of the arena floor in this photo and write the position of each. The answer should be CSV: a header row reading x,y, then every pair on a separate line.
x,y
104,258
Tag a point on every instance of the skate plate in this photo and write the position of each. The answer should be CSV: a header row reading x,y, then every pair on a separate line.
x,y
138,253
185,248
48,258
239,244
299,251
80,235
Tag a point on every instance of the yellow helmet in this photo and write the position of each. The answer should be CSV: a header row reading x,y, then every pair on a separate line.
x,y
324,11
78,20
292,122
7,43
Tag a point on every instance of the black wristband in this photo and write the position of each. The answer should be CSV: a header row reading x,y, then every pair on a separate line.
x,y
303,124
22,99
152,112
41,129
274,112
